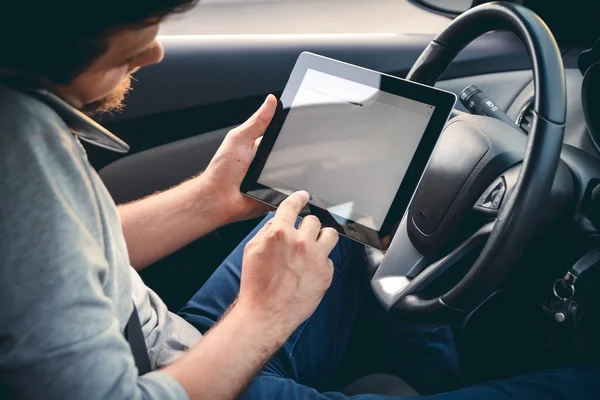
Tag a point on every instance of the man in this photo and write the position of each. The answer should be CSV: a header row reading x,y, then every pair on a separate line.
x,y
276,330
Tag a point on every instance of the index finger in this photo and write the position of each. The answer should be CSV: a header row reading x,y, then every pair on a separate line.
x,y
328,238
290,208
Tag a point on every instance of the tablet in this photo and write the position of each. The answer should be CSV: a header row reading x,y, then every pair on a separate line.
x,y
356,140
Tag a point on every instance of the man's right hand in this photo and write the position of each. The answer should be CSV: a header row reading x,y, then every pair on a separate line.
x,y
286,271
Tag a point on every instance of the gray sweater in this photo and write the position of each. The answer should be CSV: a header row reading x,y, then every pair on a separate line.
x,y
66,285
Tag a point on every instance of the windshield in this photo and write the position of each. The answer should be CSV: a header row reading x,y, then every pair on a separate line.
x,y
305,17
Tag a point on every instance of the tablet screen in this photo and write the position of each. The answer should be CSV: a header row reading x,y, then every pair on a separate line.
x,y
348,144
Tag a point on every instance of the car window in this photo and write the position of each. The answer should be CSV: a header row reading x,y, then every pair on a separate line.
x,y
305,17
449,6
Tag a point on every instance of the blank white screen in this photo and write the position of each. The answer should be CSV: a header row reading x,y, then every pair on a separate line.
x,y
349,145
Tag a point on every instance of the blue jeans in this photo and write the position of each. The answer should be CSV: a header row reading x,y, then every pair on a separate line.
x,y
425,357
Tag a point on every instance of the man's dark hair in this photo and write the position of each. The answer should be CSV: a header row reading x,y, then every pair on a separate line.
x,y
58,39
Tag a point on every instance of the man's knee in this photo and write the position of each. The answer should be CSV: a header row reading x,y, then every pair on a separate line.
x,y
272,386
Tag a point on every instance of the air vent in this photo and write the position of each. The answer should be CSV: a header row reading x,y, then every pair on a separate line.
x,y
525,118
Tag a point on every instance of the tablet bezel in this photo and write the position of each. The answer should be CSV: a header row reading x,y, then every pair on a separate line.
x,y
443,102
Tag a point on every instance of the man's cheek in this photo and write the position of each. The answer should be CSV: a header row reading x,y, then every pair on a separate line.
x,y
111,102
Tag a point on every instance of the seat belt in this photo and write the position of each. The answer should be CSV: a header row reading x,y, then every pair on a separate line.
x,y
135,336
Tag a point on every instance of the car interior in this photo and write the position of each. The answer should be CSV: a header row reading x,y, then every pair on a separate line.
x,y
506,217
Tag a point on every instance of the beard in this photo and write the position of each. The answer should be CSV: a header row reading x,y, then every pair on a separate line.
x,y
113,102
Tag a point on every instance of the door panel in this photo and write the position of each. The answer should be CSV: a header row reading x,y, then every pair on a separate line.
x,y
156,169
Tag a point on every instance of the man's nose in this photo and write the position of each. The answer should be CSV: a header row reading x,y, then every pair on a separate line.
x,y
153,55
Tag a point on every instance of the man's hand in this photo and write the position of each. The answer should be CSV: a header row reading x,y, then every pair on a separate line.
x,y
163,223
285,273
228,167
285,270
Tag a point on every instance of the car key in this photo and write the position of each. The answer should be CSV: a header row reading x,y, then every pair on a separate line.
x,y
563,312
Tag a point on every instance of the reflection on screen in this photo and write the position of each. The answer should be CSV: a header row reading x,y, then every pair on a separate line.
x,y
349,145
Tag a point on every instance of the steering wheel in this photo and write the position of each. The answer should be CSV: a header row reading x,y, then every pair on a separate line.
x,y
479,163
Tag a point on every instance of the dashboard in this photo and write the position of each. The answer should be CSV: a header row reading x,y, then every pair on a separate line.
x,y
513,92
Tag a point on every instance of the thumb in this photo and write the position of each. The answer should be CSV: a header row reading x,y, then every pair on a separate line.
x,y
256,125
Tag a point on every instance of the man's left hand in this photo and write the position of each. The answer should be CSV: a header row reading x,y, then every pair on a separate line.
x,y
229,165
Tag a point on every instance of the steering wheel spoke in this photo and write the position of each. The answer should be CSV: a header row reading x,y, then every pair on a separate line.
x,y
407,272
